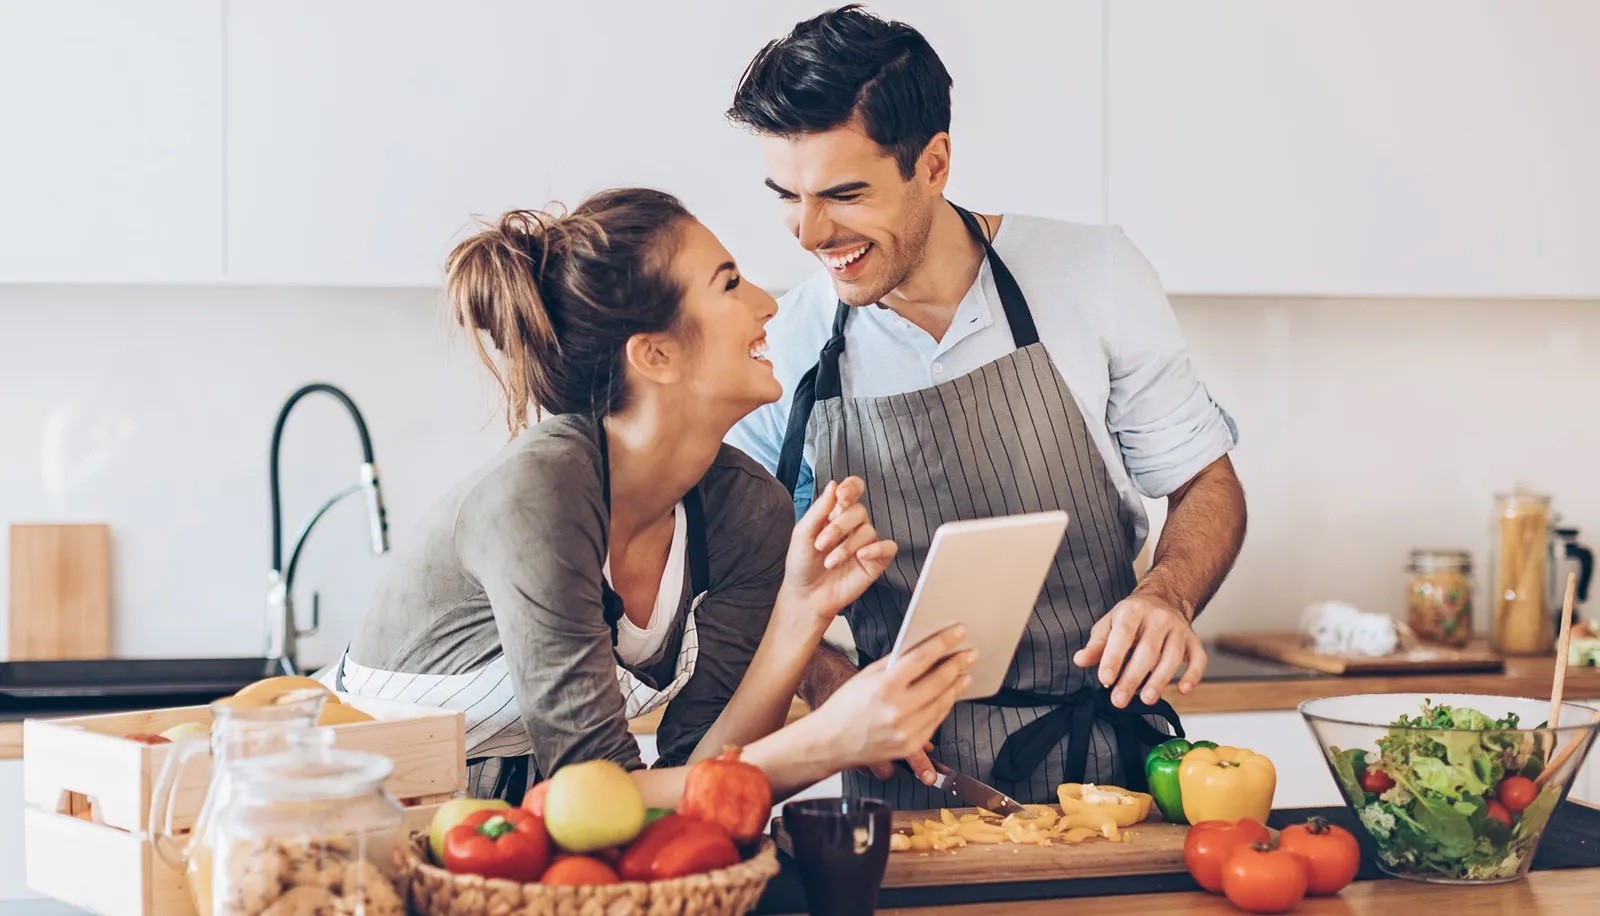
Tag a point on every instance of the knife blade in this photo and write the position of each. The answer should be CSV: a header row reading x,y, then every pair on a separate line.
x,y
974,792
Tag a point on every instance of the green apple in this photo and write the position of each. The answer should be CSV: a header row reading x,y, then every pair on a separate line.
x,y
185,729
593,805
452,813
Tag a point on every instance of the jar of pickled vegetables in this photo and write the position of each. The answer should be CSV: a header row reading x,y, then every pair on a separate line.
x,y
1439,596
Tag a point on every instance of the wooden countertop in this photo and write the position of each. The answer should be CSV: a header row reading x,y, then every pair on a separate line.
x,y
1560,891
1528,677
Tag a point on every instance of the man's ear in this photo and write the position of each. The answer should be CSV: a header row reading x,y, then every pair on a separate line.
x,y
654,357
933,166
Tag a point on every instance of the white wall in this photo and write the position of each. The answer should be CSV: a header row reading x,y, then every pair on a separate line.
x,y
1368,428
151,408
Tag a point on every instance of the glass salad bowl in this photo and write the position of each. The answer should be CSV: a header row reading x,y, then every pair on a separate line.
x,y
1451,788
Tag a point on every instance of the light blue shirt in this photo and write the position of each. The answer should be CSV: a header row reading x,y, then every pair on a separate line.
x,y
1102,316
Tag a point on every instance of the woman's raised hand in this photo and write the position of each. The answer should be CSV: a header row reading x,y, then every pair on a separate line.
x,y
835,552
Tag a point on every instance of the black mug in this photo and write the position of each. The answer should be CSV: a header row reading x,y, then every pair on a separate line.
x,y
842,847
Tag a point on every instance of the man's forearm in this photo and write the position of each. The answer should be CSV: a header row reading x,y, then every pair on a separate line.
x,y
827,670
1204,531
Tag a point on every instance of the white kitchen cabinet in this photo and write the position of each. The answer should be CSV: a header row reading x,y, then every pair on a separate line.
x,y
1303,777
1358,147
111,167
364,135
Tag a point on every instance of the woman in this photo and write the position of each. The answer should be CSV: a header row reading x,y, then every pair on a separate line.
x,y
617,557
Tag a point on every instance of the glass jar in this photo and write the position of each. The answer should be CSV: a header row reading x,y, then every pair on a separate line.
x,y
1519,545
308,831
239,731
1439,596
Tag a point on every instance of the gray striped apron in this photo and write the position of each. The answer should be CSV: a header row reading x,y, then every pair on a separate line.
x,y
497,742
1007,438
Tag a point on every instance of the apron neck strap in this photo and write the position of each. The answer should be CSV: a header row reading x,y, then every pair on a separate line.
x,y
1015,305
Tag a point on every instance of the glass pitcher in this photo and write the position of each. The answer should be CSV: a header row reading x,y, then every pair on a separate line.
x,y
239,732
309,830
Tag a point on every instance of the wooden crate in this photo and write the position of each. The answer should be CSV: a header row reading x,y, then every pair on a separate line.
x,y
87,790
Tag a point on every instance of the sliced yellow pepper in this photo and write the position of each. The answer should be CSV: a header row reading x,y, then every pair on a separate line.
x,y
1226,783
1123,807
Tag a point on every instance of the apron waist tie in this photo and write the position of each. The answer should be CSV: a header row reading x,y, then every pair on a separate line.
x,y
1073,718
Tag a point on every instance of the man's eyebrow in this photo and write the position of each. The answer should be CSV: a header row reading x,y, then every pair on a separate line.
x,y
848,187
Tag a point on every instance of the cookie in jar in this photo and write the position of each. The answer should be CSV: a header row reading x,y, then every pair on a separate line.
x,y
1439,596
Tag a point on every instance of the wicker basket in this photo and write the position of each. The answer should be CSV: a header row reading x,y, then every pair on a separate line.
x,y
724,892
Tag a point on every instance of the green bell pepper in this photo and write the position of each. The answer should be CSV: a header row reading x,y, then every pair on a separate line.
x,y
1161,771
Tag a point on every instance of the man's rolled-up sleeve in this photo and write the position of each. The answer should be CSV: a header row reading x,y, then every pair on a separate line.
x,y
1165,422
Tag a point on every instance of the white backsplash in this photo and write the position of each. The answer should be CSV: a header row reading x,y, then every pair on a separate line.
x,y
1368,428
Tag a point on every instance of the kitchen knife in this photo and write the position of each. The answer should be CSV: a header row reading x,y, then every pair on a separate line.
x,y
972,791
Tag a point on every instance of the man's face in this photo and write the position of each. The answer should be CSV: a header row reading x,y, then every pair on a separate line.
x,y
845,200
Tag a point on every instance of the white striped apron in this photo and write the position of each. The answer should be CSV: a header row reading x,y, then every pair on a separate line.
x,y
497,740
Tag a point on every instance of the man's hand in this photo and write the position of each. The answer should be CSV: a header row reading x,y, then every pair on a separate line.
x,y
1143,640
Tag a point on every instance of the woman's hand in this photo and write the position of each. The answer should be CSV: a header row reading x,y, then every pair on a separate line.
x,y
834,553
882,715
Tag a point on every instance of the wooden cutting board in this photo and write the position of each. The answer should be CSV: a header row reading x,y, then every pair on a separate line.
x,y
1286,648
60,592
1153,848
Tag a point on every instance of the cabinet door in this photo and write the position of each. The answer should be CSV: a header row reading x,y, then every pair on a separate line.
x,y
112,117
363,135
644,86
1429,147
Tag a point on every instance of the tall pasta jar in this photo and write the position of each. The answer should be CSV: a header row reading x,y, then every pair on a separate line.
x,y
308,831
1519,545
1439,596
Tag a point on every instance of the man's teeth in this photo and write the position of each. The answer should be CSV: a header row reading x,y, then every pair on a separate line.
x,y
758,350
846,259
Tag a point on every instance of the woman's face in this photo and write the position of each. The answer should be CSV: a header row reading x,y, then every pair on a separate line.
x,y
724,338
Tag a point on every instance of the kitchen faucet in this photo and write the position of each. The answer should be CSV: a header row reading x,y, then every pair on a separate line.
x,y
283,630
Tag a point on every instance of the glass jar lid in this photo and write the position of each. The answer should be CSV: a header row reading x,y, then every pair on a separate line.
x,y
313,770
1430,560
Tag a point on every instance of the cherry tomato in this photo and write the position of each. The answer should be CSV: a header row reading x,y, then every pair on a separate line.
x,y
1332,855
1260,879
1376,781
1209,844
578,870
1499,812
1517,793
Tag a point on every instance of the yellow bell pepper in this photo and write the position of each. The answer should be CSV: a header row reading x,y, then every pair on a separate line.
x,y
1095,803
1226,784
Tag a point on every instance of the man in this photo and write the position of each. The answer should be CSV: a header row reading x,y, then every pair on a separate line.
x,y
970,365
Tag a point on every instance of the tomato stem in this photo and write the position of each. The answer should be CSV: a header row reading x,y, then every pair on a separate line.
x,y
1317,824
495,827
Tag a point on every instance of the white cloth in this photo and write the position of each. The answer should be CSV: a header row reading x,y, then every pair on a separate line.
x,y
637,645
1103,318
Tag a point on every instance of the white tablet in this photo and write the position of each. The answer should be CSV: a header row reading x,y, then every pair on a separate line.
x,y
985,573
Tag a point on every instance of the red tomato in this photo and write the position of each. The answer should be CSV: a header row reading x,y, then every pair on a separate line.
x,y
1332,855
578,870
1517,793
1499,812
1376,781
1209,844
533,800
1259,879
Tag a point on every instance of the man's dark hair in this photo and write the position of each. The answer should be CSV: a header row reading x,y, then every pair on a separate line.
x,y
844,64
